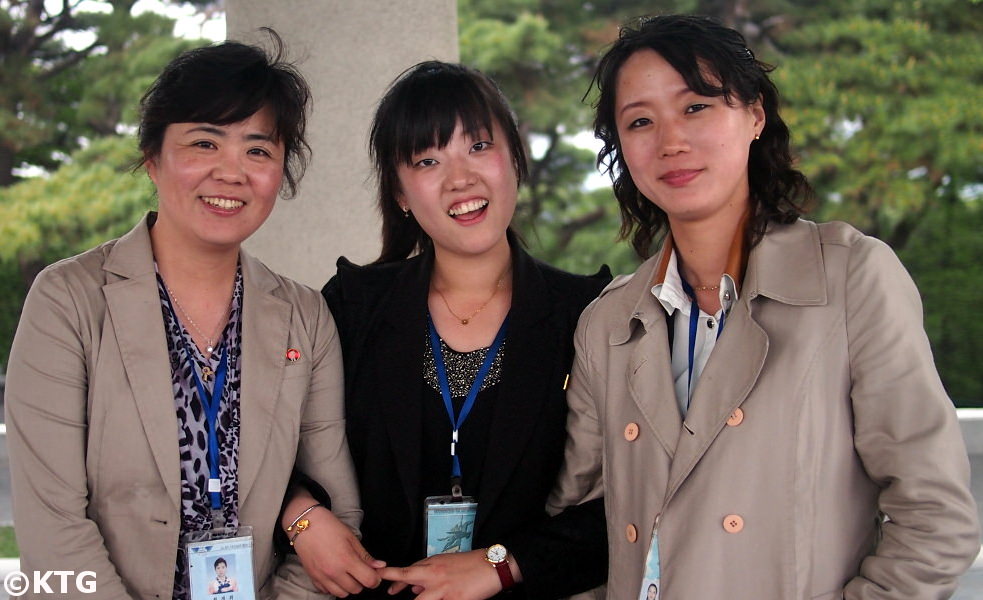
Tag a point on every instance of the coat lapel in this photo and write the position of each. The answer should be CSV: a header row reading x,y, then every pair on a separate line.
x,y
525,377
265,337
649,374
728,378
132,301
786,266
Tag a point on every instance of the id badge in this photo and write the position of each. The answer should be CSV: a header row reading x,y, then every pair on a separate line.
x,y
220,563
651,584
449,523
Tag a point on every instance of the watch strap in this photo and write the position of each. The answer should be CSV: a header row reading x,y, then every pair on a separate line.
x,y
505,574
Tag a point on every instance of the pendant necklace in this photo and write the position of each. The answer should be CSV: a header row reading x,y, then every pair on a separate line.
x,y
206,371
467,319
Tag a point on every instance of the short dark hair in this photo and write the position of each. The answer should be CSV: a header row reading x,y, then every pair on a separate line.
x,y
421,110
219,561
697,47
227,83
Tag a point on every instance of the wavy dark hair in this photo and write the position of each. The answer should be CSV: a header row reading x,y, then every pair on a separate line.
x,y
421,110
698,47
227,83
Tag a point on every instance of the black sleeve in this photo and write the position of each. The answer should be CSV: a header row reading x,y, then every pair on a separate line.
x,y
566,554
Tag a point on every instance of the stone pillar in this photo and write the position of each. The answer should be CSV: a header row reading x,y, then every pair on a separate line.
x,y
349,52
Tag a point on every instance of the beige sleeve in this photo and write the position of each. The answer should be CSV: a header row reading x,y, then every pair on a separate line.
x,y
907,436
45,404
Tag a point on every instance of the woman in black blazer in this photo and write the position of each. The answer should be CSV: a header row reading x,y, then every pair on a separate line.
x,y
454,286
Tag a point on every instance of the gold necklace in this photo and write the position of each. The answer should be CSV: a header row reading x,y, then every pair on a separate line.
x,y
466,320
706,288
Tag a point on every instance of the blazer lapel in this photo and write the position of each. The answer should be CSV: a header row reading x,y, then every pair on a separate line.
x,y
265,336
404,318
525,377
132,302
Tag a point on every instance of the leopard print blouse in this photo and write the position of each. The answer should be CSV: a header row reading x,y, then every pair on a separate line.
x,y
192,430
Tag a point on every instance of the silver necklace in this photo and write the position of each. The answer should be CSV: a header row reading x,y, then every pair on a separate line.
x,y
209,342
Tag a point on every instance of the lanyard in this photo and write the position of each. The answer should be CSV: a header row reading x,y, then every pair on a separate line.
x,y
211,404
445,392
694,318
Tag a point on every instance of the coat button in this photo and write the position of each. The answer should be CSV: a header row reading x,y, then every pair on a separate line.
x,y
631,432
631,533
733,523
736,417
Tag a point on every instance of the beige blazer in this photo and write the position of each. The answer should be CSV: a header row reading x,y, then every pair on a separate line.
x,y
820,458
91,425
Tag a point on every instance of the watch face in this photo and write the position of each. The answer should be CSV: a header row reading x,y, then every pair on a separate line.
x,y
497,553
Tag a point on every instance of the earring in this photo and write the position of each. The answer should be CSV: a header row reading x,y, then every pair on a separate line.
x,y
406,212
757,136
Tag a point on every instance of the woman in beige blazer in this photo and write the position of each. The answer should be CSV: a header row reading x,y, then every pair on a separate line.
x,y
807,451
121,350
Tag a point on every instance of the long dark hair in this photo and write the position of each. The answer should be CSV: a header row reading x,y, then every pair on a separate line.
x,y
698,47
421,110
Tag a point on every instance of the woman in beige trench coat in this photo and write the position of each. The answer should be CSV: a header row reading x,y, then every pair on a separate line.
x,y
758,403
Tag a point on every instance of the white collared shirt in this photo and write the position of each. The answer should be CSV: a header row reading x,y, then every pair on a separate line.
x,y
678,304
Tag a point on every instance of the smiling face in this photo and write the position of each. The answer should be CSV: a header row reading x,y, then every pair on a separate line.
x,y
685,152
216,184
463,195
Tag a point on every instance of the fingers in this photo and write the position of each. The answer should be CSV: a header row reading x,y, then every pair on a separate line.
x,y
397,587
405,575
340,586
363,567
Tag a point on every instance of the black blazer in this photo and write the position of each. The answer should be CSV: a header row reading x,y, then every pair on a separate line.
x,y
381,313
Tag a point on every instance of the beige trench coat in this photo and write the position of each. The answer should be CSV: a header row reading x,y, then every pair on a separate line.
x,y
820,458
92,431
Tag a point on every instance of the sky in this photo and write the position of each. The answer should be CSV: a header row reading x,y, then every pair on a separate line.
x,y
189,23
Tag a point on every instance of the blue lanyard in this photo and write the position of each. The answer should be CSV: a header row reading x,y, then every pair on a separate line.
x,y
445,392
211,403
694,318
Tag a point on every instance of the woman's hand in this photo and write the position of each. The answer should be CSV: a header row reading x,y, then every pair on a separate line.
x,y
333,557
455,576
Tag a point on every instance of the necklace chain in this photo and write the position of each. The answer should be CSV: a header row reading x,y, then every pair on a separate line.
x,y
466,320
706,288
209,342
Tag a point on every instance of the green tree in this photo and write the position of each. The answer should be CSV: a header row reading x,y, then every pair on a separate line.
x,y
53,93
943,254
882,103
93,198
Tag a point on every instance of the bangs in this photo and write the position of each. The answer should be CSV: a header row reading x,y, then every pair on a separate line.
x,y
710,72
430,110
233,95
